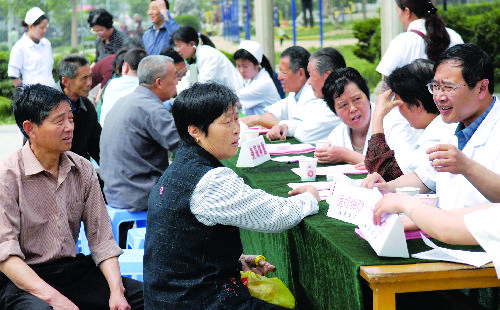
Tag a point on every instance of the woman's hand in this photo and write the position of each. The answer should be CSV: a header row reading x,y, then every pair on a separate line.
x,y
248,264
330,154
383,106
360,166
305,189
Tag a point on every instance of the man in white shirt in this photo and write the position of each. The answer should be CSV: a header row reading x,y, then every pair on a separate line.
x,y
300,114
123,85
463,87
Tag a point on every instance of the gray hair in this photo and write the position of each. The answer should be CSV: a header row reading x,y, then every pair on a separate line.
x,y
328,59
151,68
68,67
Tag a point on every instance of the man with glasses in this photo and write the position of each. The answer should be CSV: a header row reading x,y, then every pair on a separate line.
x,y
463,87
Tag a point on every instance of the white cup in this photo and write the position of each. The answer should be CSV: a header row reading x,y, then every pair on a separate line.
x,y
308,169
430,199
412,191
251,134
322,144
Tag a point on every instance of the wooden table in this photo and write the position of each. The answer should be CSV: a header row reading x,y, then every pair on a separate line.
x,y
387,280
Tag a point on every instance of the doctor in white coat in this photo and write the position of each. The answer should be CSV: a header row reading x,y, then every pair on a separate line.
x,y
463,92
206,63
261,87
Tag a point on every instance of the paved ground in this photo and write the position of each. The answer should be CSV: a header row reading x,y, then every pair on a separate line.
x,y
10,140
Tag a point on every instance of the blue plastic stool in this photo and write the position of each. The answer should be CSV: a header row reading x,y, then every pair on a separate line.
x,y
135,238
82,245
118,216
131,263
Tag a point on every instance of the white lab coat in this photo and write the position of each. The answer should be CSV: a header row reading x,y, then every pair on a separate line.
x,y
258,93
212,65
454,190
309,119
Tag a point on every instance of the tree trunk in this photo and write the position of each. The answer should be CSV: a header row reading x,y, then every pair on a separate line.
x,y
74,26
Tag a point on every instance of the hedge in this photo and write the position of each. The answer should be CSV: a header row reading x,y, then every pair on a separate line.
x,y
5,107
189,20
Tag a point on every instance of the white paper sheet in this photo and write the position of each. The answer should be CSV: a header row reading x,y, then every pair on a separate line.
x,y
477,259
289,159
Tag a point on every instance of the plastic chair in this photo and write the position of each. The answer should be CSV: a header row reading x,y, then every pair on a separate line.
x,y
118,216
131,263
82,245
135,238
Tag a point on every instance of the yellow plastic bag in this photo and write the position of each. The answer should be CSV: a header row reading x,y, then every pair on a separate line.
x,y
272,290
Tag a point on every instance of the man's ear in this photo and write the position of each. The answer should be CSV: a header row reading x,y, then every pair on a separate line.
x,y
125,68
29,127
64,81
483,88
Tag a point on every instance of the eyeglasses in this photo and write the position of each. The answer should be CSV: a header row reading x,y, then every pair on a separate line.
x,y
449,90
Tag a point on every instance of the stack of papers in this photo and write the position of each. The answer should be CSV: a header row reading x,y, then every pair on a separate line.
x,y
324,188
288,148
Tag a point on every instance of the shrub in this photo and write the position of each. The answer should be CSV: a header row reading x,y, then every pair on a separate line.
x,y
366,33
189,20
5,107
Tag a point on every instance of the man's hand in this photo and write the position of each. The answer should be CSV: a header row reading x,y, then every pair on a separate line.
x,y
448,158
278,132
305,189
117,301
60,302
248,263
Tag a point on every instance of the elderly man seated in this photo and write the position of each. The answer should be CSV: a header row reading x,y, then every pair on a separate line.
x,y
45,194
301,114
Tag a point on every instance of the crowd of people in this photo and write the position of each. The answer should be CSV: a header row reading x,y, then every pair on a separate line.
x,y
433,126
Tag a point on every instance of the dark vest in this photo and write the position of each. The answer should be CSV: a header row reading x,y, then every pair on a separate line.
x,y
186,263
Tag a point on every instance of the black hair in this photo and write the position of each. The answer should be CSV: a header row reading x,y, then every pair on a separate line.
x,y
437,38
244,54
100,17
328,59
34,102
134,56
199,105
410,83
118,62
69,65
299,58
336,82
188,34
170,52
166,3
37,22
476,64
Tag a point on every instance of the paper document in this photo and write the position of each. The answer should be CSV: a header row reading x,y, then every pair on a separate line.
x,y
477,259
290,159
288,148
324,188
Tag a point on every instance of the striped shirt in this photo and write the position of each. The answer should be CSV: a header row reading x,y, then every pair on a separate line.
x,y
221,197
40,215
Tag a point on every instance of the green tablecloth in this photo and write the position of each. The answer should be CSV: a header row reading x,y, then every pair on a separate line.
x,y
319,259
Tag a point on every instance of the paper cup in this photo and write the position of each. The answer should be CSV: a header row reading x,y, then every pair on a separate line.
x,y
251,134
430,199
322,144
308,169
412,191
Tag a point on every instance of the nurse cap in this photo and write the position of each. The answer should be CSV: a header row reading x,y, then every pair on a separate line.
x,y
32,15
253,48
